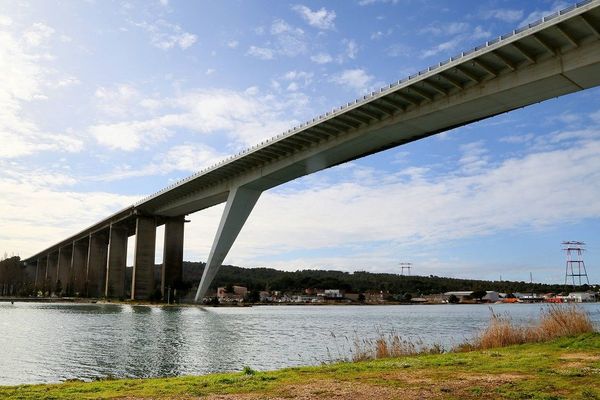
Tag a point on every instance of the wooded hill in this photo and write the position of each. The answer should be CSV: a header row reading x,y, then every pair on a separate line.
x,y
297,281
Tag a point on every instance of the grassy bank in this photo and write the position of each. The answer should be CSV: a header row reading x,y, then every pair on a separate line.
x,y
565,368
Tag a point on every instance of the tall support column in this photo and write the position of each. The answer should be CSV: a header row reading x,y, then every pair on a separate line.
x,y
64,268
142,282
172,267
79,266
40,273
51,272
240,203
96,265
116,263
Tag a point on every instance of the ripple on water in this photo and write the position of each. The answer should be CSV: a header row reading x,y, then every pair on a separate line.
x,y
54,342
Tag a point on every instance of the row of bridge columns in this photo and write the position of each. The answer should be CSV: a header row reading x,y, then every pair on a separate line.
x,y
95,265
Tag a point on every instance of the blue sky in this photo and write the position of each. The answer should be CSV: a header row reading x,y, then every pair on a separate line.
x,y
105,102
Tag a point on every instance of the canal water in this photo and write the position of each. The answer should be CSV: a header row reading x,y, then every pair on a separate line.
x,y
55,342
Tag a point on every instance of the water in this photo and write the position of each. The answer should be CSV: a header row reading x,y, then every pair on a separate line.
x,y
54,342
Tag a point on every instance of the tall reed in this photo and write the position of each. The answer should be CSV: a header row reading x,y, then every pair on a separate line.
x,y
555,321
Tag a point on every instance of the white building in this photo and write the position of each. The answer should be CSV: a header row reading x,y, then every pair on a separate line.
x,y
581,297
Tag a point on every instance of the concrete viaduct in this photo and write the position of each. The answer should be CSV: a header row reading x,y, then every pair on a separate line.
x,y
549,58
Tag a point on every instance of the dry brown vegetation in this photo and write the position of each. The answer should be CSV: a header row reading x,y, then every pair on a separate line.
x,y
556,321
390,346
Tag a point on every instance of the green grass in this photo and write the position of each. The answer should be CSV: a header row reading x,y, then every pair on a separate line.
x,y
566,368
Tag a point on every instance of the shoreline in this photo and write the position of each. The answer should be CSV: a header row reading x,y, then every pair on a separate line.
x,y
74,300
561,368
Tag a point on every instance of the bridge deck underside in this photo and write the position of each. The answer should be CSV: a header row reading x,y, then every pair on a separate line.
x,y
556,57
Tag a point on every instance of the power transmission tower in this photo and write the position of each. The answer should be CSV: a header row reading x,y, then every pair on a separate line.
x,y
575,267
405,266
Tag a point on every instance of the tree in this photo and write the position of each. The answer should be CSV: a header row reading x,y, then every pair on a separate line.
x,y
361,298
453,299
229,288
478,294
252,296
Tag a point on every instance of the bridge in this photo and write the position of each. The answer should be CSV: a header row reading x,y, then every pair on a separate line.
x,y
557,55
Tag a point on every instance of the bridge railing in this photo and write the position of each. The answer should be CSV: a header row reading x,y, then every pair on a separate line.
x,y
365,98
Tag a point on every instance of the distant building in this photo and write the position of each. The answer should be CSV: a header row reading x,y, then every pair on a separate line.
x,y
581,297
352,296
465,296
265,296
239,292
331,294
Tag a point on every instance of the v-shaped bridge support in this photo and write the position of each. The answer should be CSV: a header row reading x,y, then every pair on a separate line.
x,y
240,203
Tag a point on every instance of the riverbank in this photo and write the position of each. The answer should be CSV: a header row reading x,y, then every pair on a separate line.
x,y
567,368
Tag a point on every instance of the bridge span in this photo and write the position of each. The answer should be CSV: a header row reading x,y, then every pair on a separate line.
x,y
548,58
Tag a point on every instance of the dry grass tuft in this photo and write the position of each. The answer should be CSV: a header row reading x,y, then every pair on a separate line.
x,y
390,345
556,321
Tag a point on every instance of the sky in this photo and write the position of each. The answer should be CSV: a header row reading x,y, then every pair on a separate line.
x,y
105,102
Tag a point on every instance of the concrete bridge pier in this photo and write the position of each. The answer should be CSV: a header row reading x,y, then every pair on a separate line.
x,y
79,266
116,261
64,268
172,267
142,282
240,203
51,272
40,273
96,264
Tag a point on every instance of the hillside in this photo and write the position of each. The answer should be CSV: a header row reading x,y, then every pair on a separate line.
x,y
297,281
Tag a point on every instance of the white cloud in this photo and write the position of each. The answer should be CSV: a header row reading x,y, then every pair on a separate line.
x,y
517,139
474,158
261,52
117,100
27,75
476,33
398,50
165,35
38,33
188,158
452,28
286,40
369,2
5,21
131,135
232,44
538,14
246,117
321,19
321,58
504,14
351,49
34,215
356,79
